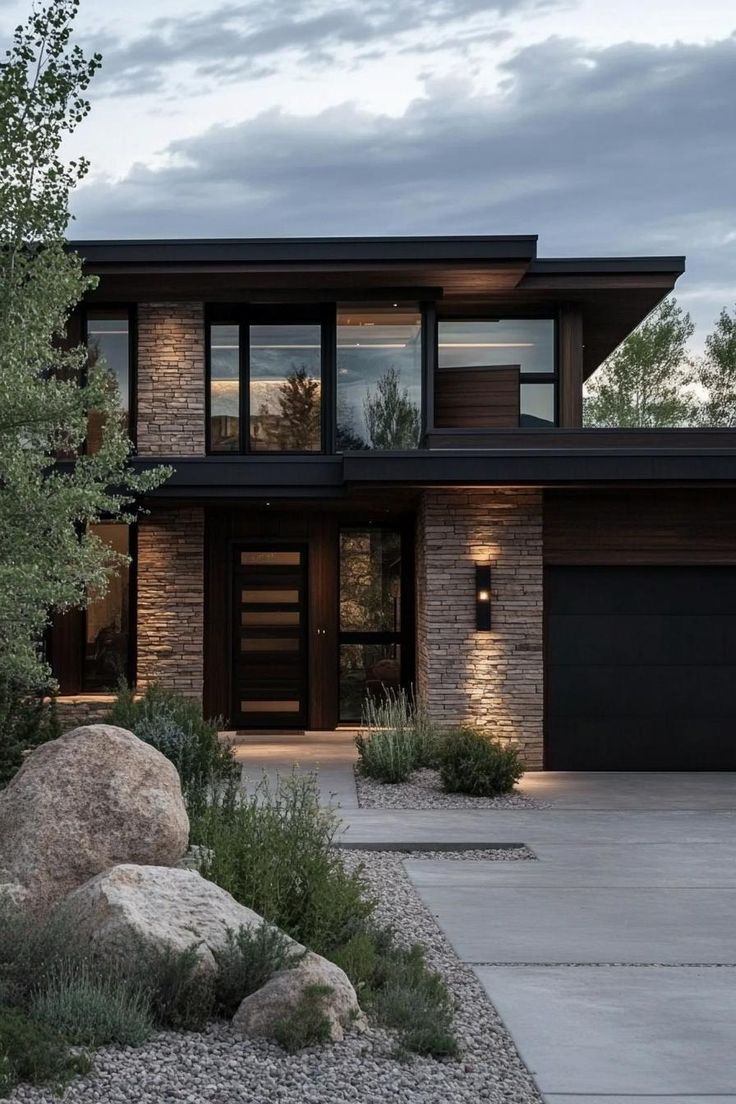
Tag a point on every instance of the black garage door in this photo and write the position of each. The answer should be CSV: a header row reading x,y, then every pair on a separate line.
x,y
641,668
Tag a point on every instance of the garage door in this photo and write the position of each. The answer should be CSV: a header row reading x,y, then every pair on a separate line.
x,y
641,668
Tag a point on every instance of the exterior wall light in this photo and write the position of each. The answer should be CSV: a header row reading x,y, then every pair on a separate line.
x,y
482,597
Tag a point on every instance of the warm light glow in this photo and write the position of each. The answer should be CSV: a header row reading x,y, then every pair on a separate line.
x,y
484,595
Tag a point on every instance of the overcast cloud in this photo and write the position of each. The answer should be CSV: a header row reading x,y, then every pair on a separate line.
x,y
605,128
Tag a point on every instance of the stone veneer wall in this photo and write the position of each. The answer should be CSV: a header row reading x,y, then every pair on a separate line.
x,y
492,679
171,599
170,384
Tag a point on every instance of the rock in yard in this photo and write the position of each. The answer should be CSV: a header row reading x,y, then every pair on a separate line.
x,y
96,797
260,1012
157,906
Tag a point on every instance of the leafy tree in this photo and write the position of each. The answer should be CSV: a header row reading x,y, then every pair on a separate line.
x,y
49,560
391,417
646,381
299,402
717,373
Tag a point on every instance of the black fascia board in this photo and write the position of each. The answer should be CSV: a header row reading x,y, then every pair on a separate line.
x,y
605,266
487,248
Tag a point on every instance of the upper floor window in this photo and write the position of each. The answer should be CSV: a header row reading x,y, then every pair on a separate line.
x,y
108,343
496,373
379,377
265,386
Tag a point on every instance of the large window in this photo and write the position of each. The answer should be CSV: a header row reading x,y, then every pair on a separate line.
x,y
490,358
265,387
370,616
107,620
109,344
379,377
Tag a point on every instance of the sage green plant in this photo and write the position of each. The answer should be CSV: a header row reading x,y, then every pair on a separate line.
x,y
396,737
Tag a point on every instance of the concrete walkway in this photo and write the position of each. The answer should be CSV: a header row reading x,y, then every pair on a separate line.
x,y
612,960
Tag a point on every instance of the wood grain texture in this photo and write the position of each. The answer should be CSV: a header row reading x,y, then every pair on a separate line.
x,y
631,527
477,398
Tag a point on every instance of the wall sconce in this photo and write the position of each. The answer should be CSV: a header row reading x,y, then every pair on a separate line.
x,y
482,597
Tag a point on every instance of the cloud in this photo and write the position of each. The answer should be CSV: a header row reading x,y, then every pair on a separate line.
x,y
624,149
246,39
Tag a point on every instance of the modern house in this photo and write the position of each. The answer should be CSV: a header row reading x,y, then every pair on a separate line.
x,y
382,479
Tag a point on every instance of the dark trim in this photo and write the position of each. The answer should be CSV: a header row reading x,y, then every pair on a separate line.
x,y
306,250
429,365
567,266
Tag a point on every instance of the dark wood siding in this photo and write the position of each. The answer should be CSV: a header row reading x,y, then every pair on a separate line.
x,y
640,527
571,367
476,398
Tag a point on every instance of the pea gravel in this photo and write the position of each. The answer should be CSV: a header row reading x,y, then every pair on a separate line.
x,y
424,791
216,1067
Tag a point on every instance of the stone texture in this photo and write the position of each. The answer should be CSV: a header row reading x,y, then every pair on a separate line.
x,y
259,1013
170,382
170,602
75,710
95,797
157,906
491,679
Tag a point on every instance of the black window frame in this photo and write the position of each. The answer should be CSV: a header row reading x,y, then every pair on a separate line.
x,y
404,636
552,379
244,316
132,311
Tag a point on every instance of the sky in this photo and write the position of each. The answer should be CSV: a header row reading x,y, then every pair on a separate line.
x,y
605,128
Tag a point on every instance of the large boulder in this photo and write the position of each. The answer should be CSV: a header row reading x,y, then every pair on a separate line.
x,y
129,907
96,797
259,1013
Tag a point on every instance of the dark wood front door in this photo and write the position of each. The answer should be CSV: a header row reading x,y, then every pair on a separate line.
x,y
270,636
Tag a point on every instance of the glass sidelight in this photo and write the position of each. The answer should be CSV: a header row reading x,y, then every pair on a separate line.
x,y
269,662
370,616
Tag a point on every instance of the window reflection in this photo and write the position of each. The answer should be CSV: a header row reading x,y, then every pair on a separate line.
x,y
370,580
537,404
526,342
285,388
108,344
105,660
367,671
224,388
378,378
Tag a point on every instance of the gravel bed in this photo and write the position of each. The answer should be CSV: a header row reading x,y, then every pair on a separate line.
x,y
216,1067
423,791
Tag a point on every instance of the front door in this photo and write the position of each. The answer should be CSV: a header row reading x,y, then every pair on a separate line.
x,y
270,636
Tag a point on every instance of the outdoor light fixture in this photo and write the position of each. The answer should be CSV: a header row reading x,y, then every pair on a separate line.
x,y
482,597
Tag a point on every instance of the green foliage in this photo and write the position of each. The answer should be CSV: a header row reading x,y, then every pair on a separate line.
x,y
272,850
647,380
176,727
306,1025
416,1002
7,1077
473,763
91,1009
717,373
392,419
35,1053
49,559
299,417
396,738
181,995
32,953
250,957
26,720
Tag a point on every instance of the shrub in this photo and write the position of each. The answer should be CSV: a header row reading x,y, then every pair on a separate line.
x,y
416,1002
36,1053
27,719
306,1025
250,957
175,726
472,763
180,994
32,953
273,851
91,1009
396,738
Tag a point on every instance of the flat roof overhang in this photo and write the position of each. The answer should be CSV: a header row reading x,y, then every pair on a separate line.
x,y
298,477
464,274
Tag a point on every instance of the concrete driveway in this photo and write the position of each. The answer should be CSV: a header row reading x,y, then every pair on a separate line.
x,y
612,960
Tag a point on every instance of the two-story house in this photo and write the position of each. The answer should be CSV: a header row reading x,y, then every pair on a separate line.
x,y
382,479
